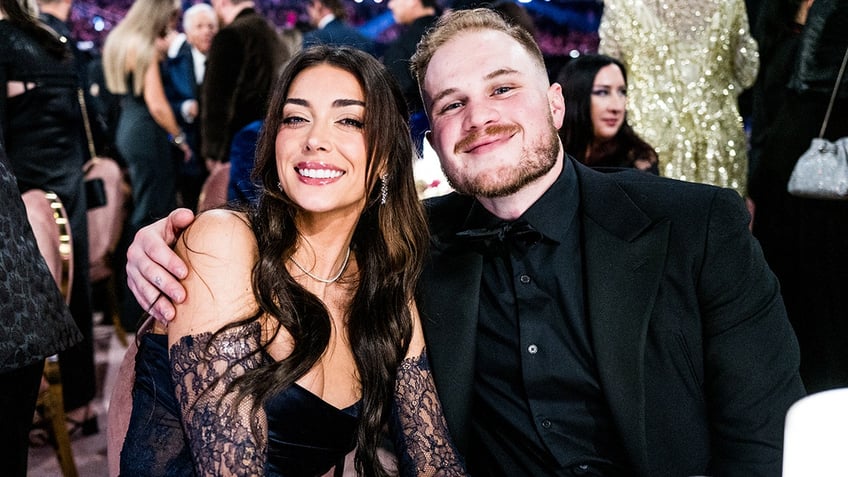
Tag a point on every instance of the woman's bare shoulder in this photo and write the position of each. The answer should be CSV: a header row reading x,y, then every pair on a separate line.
x,y
219,249
219,233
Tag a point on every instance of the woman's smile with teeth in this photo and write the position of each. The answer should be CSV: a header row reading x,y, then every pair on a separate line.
x,y
320,173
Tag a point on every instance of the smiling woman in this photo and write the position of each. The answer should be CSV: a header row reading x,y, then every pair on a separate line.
x,y
595,130
300,312
321,155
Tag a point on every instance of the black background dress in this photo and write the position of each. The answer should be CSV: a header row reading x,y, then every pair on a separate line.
x,y
43,137
804,240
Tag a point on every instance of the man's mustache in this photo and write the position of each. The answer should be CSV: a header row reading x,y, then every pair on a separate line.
x,y
474,137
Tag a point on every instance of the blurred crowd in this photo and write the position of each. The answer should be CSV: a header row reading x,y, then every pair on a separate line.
x,y
562,27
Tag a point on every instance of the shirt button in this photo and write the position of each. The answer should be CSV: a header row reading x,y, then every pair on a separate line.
x,y
532,349
546,423
524,279
581,469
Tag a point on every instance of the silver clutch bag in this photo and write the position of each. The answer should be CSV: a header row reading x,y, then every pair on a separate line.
x,y
822,171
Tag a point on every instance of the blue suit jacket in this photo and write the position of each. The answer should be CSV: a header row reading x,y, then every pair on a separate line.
x,y
178,79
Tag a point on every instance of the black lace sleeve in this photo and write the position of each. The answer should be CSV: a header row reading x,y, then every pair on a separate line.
x,y
422,441
220,436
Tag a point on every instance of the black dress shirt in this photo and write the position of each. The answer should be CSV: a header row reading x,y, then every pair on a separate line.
x,y
538,408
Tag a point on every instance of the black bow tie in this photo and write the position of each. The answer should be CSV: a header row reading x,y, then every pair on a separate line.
x,y
519,231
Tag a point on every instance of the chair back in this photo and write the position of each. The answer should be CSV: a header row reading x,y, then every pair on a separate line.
x,y
815,440
105,222
52,231
214,191
120,410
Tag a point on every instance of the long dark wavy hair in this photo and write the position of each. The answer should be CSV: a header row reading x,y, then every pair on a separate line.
x,y
389,242
17,14
577,133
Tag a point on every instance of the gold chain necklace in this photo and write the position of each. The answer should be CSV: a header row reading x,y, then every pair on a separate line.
x,y
324,280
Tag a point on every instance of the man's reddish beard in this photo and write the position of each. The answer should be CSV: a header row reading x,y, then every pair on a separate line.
x,y
474,136
534,162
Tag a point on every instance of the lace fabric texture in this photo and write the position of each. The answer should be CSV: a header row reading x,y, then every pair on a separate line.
x,y
219,433
422,440
154,443
687,61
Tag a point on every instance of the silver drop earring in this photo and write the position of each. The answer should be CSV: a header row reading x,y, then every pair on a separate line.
x,y
384,189
280,186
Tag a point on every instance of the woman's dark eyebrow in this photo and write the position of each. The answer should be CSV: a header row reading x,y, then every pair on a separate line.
x,y
339,103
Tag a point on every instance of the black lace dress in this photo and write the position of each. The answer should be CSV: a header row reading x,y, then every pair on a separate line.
x,y
184,421
306,436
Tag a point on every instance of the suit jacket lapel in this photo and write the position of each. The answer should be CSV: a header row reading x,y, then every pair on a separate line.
x,y
449,302
624,257
624,254
189,57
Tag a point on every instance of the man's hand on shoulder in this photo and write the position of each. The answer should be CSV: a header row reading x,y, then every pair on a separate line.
x,y
154,270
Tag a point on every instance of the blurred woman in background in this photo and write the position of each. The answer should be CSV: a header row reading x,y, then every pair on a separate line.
x,y
41,129
688,62
595,129
146,123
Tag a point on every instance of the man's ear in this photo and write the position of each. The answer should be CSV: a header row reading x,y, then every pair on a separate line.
x,y
556,103
428,134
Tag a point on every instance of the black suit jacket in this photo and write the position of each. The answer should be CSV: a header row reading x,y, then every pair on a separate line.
x,y
338,33
694,351
241,68
397,58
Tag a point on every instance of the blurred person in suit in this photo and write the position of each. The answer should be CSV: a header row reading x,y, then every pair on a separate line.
x,y
416,17
182,78
241,188
328,19
241,67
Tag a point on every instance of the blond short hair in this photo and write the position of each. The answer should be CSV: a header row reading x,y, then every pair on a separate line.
x,y
457,22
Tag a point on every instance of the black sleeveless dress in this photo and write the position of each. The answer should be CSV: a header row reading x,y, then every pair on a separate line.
x,y
306,435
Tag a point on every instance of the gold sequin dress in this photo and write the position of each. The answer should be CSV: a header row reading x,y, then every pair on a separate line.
x,y
687,61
